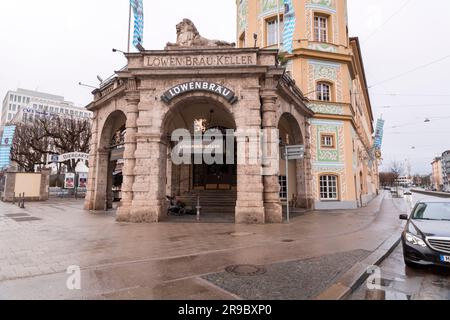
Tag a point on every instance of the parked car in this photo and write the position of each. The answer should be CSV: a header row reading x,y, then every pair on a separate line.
x,y
407,193
426,238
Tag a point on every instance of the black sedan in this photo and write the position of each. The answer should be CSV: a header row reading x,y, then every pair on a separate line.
x,y
426,239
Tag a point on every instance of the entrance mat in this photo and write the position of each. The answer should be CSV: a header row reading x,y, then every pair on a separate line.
x,y
295,280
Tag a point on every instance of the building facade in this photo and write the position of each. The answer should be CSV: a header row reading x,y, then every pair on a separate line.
x,y
445,161
437,174
194,85
25,105
327,66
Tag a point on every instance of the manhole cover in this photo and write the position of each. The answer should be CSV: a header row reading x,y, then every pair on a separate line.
x,y
26,219
246,270
16,215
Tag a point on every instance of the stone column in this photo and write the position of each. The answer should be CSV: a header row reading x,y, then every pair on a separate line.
x,y
90,192
124,211
101,180
272,202
150,181
249,204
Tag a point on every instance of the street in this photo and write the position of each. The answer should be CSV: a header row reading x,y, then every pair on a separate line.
x,y
400,282
178,260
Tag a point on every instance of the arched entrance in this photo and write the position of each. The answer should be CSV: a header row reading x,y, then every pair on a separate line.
x,y
213,184
110,161
291,134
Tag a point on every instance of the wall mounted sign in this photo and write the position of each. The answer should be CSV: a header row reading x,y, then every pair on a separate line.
x,y
74,156
199,86
206,60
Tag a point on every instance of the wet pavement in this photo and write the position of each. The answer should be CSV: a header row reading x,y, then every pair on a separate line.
x,y
400,282
172,260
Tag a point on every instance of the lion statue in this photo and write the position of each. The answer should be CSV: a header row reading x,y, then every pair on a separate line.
x,y
188,36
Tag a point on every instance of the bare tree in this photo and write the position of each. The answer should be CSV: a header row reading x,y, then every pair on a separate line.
x,y
35,140
396,168
30,146
387,179
67,135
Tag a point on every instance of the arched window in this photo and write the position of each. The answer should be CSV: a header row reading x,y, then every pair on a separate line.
x,y
329,187
323,91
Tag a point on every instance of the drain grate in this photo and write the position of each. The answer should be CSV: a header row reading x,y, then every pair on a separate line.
x,y
26,219
16,215
246,270
288,240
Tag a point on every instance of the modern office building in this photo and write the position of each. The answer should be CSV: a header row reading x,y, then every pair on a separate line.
x,y
327,66
24,105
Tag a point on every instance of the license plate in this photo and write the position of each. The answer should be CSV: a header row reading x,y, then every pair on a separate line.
x,y
445,259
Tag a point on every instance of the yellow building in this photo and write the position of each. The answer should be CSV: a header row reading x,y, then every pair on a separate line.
x,y
327,66
437,176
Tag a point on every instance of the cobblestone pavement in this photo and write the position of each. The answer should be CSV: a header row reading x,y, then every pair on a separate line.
x,y
404,283
167,260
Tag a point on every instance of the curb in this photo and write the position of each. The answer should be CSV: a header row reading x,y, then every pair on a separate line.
x,y
355,277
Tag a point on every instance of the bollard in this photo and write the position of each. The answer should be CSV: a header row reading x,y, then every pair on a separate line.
x,y
198,207
23,201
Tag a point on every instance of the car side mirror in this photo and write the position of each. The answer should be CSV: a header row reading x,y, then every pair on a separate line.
x,y
403,217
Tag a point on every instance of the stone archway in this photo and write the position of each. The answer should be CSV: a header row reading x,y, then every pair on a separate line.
x,y
109,153
214,185
291,134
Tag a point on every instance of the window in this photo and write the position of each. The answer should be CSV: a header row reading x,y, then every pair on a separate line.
x,y
273,31
13,107
328,187
323,91
327,141
320,28
9,116
283,187
20,99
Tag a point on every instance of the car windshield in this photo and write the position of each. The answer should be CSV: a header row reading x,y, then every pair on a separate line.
x,y
432,211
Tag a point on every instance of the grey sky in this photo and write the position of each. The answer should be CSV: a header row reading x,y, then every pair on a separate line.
x,y
51,45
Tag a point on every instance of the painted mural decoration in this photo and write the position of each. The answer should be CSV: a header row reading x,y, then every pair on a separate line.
x,y
326,72
325,108
328,160
328,4
242,15
271,6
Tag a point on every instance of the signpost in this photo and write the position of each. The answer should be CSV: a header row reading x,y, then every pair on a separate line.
x,y
295,152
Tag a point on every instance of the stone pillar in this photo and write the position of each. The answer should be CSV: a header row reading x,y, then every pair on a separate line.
x,y
124,211
272,202
90,192
45,181
250,202
149,203
101,180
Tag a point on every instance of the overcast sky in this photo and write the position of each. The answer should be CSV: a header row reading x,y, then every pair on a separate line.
x,y
51,45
